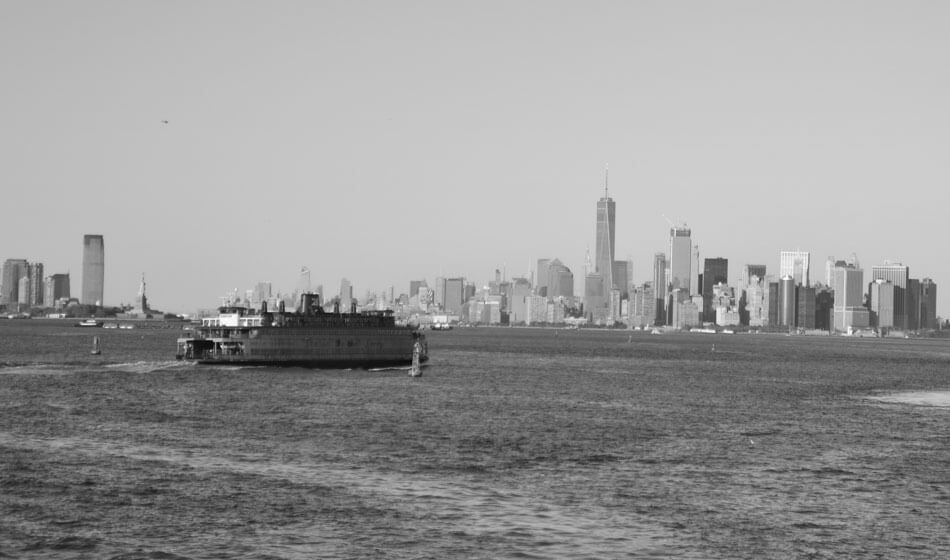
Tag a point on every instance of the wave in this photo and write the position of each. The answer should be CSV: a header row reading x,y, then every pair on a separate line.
x,y
921,398
65,368
395,368
147,366
34,369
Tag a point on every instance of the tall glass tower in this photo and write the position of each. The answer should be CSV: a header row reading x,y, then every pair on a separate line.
x,y
606,233
93,269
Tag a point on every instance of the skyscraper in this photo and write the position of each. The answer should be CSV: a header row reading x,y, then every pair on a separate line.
x,y
604,248
541,281
660,287
788,307
599,282
346,295
262,292
595,298
898,274
438,292
928,304
746,273
414,286
849,310
715,271
913,304
681,247
757,302
642,307
824,308
35,298
795,264
303,281
830,265
93,269
455,295
560,280
883,298
13,270
806,298
23,292
520,289
622,274
57,287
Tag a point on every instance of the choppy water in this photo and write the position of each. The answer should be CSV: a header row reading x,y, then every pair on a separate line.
x,y
516,443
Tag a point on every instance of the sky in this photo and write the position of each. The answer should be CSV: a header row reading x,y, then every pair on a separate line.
x,y
389,141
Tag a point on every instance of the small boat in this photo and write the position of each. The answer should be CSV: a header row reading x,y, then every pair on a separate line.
x,y
110,326
95,346
126,326
89,323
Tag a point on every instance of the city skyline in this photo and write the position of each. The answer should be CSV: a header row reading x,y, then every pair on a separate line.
x,y
437,152
892,298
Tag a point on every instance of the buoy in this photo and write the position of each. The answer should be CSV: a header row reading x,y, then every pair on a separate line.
x,y
416,369
95,346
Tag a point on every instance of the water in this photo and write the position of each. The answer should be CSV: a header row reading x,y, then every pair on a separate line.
x,y
516,443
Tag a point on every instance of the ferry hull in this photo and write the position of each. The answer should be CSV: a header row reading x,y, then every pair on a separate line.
x,y
312,364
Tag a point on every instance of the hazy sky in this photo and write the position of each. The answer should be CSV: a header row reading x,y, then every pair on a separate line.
x,y
387,141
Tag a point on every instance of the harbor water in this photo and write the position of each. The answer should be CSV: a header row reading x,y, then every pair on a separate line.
x,y
514,443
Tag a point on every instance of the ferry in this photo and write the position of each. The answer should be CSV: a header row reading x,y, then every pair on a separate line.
x,y
309,337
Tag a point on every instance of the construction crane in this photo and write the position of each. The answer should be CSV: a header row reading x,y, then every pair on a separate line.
x,y
674,225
